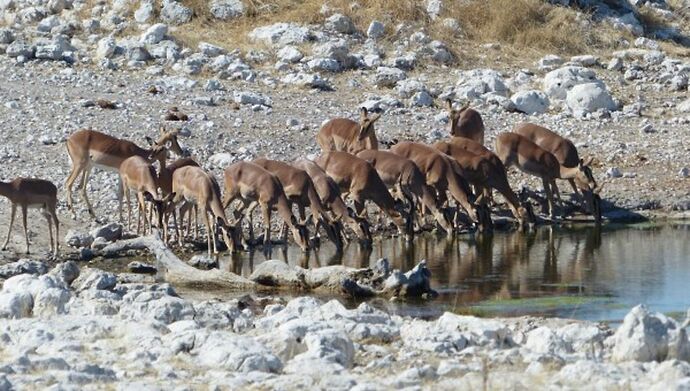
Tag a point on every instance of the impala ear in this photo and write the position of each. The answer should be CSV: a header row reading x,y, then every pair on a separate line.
x,y
148,196
587,162
150,140
363,113
162,129
449,105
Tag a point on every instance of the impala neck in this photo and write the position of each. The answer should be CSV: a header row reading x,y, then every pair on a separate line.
x,y
568,172
5,189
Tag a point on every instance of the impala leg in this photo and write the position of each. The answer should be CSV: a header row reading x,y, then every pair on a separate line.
x,y
73,175
47,216
208,233
13,213
129,209
26,230
53,214
266,212
84,181
142,211
249,212
555,190
549,197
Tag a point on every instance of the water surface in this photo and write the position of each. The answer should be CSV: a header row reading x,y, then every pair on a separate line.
x,y
577,272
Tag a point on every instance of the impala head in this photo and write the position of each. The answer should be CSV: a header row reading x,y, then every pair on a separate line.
x,y
300,233
526,214
453,114
161,207
361,228
229,233
366,123
169,140
447,219
584,179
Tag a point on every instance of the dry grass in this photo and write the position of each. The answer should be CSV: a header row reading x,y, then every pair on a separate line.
x,y
524,28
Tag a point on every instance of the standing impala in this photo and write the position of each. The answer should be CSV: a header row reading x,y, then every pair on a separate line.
x,y
255,186
404,175
32,193
465,122
331,199
577,171
477,149
516,150
358,178
481,172
89,148
193,184
300,190
342,134
442,176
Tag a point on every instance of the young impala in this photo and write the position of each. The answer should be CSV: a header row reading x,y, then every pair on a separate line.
x,y
360,180
193,184
329,192
253,185
516,150
443,176
482,172
32,193
404,175
342,134
300,190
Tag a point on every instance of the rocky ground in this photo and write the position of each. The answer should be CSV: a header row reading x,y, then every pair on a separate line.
x,y
629,108
89,329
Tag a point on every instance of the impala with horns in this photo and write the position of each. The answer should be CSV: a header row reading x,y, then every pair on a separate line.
x,y
342,134
194,185
300,191
405,177
441,175
329,192
484,173
254,186
360,180
30,193
516,150
465,122
89,148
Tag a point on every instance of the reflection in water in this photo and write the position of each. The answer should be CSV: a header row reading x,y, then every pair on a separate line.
x,y
629,264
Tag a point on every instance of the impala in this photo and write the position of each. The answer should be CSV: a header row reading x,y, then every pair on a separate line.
x,y
193,184
465,122
577,171
477,149
342,134
329,192
516,150
300,190
358,178
89,148
482,172
441,175
165,183
404,175
254,186
32,193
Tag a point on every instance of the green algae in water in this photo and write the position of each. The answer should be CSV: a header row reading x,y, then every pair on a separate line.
x,y
540,305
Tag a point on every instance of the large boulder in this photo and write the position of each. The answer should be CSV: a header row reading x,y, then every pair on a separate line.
x,y
530,102
558,82
154,34
23,266
388,77
341,24
475,83
587,98
175,13
281,34
646,336
226,9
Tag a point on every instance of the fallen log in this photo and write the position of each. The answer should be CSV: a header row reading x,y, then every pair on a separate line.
x,y
174,270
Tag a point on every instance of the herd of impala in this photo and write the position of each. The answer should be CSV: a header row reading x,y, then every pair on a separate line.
x,y
408,182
